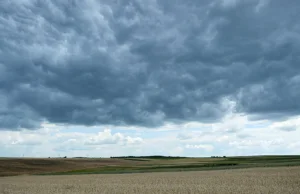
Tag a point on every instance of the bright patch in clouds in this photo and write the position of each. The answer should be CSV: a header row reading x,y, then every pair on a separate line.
x,y
201,146
190,139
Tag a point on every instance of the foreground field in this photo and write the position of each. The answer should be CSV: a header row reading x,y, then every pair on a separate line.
x,y
283,180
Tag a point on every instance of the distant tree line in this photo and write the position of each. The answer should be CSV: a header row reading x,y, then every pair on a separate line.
x,y
218,156
150,157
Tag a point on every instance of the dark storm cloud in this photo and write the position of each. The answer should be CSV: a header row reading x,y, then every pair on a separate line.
x,y
146,62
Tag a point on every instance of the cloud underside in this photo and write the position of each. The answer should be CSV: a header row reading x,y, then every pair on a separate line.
x,y
250,138
144,63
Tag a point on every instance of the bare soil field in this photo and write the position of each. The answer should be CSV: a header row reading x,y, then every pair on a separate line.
x,y
25,166
280,180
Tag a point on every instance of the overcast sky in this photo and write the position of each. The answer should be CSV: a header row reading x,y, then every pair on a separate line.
x,y
140,77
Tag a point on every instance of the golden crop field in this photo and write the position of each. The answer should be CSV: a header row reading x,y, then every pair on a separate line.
x,y
243,181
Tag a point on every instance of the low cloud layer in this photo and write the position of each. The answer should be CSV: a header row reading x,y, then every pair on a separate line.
x,y
254,138
144,63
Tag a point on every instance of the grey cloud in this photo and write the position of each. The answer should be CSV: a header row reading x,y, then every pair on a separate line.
x,y
244,136
184,136
146,62
232,130
14,116
288,128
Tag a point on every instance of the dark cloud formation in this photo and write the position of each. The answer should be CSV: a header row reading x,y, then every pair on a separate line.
x,y
146,62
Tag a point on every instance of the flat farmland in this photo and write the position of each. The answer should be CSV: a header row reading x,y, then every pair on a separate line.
x,y
275,180
76,166
26,166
